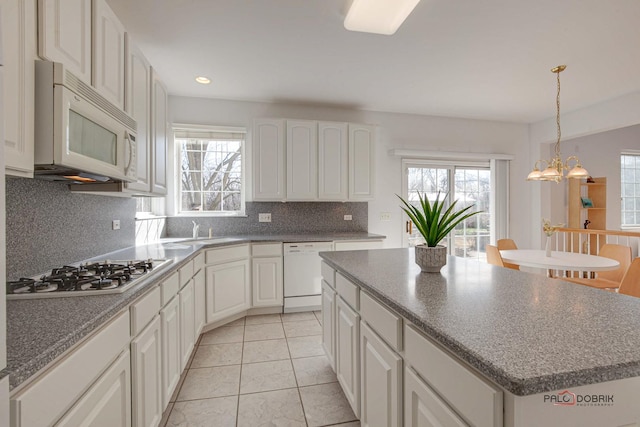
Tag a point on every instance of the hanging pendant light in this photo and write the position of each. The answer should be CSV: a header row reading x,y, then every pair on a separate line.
x,y
555,167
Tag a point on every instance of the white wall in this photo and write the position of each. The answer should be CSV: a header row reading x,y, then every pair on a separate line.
x,y
395,131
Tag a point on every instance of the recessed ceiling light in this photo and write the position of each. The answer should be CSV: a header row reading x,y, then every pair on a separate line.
x,y
378,16
203,80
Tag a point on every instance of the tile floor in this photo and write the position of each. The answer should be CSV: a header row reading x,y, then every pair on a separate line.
x,y
267,370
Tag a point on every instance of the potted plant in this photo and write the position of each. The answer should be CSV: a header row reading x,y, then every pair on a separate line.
x,y
434,225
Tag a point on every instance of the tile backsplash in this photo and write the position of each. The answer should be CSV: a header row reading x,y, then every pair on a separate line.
x,y
48,225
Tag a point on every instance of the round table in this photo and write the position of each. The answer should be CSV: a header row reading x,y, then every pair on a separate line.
x,y
568,261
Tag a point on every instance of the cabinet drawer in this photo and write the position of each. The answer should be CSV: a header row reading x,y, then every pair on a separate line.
x,y
170,288
266,249
143,310
348,291
229,253
464,390
43,400
186,273
382,320
198,263
328,274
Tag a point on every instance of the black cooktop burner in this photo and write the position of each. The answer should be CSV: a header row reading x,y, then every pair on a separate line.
x,y
94,276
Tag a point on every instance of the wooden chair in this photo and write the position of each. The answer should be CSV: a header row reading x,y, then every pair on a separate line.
x,y
508,244
630,284
493,256
608,279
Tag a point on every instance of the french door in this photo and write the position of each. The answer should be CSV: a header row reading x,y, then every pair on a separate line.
x,y
470,184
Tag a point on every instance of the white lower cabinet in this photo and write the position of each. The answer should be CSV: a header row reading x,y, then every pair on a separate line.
x,y
108,401
329,323
146,363
200,302
267,281
187,323
228,289
171,355
381,381
423,407
347,353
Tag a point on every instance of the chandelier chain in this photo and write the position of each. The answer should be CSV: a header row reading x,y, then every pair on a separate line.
x,y
558,114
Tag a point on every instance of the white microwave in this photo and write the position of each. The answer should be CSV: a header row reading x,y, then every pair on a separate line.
x,y
80,136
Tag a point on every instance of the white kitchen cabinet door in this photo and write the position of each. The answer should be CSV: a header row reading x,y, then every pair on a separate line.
x,y
19,34
347,353
302,160
333,151
380,381
171,355
268,160
267,282
64,34
146,353
200,302
329,323
138,105
228,289
108,53
108,402
187,323
361,162
423,407
159,139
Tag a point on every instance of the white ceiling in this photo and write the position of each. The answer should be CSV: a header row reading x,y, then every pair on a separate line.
x,y
485,59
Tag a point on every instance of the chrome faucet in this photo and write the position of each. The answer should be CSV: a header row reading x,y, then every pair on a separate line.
x,y
196,229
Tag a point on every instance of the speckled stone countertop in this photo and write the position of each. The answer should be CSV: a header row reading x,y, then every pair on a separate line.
x,y
41,330
525,332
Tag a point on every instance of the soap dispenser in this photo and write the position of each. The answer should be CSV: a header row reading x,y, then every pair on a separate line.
x,y
196,228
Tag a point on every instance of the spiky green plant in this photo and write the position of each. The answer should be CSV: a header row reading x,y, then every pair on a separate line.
x,y
431,222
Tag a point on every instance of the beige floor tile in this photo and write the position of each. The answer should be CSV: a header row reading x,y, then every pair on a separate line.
x,y
165,415
271,408
264,351
217,412
266,376
313,370
305,346
261,319
237,322
217,355
297,317
302,329
223,335
267,331
352,424
325,404
318,315
204,383
183,376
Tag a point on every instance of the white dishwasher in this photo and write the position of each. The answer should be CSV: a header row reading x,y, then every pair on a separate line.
x,y
302,276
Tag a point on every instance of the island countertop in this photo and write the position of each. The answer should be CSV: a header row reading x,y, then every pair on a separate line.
x,y
527,333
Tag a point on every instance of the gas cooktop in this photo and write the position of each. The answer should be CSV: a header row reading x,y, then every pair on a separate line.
x,y
90,278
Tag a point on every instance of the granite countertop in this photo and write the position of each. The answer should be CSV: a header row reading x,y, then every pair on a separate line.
x,y
41,330
525,332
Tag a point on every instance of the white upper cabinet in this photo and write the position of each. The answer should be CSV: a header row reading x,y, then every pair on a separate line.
x,y
65,34
333,151
302,160
159,116
108,53
361,162
269,160
137,105
19,33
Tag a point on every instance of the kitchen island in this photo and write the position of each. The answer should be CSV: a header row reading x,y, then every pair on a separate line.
x,y
525,337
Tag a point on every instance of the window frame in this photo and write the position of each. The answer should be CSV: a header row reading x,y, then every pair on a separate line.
x,y
635,226
177,184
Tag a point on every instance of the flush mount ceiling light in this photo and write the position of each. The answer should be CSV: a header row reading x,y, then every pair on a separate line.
x,y
203,80
556,167
378,16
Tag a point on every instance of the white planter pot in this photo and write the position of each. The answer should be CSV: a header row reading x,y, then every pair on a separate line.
x,y
431,259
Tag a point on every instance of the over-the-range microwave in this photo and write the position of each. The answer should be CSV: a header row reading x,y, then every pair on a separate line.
x,y
80,136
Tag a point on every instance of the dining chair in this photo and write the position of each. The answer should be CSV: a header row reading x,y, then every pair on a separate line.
x,y
610,278
630,284
508,244
493,256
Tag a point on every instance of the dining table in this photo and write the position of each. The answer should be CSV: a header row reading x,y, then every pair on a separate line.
x,y
560,261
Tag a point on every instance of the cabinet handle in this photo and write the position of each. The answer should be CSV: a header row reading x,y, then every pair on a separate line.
x,y
409,227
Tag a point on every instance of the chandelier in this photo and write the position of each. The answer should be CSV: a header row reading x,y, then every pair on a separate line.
x,y
555,167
